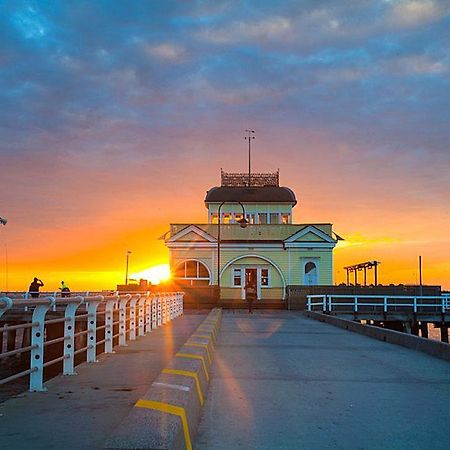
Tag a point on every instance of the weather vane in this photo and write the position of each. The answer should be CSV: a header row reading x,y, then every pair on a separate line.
x,y
250,135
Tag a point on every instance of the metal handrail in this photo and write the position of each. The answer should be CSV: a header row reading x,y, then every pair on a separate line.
x,y
355,301
138,314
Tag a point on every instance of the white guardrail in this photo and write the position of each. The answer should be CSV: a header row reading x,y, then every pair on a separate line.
x,y
329,303
122,317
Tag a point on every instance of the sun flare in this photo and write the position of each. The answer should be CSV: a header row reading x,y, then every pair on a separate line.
x,y
155,274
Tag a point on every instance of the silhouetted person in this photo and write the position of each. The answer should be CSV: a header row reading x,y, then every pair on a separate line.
x,y
251,295
65,291
34,287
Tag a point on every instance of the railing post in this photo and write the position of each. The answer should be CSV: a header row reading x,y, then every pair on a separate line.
x,y
355,309
37,341
123,320
415,304
329,303
109,321
155,312
69,335
5,304
133,302
91,309
148,314
324,305
385,304
159,313
141,316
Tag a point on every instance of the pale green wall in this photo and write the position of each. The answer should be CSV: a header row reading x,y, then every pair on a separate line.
x,y
278,256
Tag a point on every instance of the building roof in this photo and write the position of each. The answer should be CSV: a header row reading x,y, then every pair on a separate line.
x,y
265,194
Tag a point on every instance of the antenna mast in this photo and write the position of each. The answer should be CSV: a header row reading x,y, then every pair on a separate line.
x,y
249,137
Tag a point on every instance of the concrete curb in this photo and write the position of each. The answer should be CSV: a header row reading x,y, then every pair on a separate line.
x,y
433,348
167,416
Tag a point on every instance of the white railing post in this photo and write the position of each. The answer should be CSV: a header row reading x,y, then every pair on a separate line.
x,y
91,309
355,308
69,335
109,323
37,341
159,313
324,303
329,302
5,304
141,316
385,304
148,314
415,304
133,302
123,320
155,312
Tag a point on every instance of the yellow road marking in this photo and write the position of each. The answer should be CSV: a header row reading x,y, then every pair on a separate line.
x,y
208,331
190,355
171,409
204,336
194,344
188,374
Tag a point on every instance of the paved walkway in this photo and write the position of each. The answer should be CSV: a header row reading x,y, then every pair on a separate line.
x,y
282,381
80,412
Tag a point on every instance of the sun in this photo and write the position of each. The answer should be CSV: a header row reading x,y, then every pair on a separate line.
x,y
154,274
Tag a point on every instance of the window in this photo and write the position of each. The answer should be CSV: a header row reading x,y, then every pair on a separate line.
x,y
214,218
194,271
262,218
264,277
238,217
274,218
226,218
251,218
237,277
285,218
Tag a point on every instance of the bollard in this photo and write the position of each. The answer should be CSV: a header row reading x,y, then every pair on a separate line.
x,y
148,314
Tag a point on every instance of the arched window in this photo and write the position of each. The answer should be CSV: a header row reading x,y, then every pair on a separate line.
x,y
193,273
310,277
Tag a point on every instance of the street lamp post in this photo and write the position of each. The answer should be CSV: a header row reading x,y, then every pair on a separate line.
x,y
243,223
126,271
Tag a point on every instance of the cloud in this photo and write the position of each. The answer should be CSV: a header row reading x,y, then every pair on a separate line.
x,y
412,13
166,51
240,31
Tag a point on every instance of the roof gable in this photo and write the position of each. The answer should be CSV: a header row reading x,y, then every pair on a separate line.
x,y
191,233
310,234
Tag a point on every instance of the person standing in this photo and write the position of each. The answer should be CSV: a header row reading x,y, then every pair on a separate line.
x,y
34,287
250,295
65,291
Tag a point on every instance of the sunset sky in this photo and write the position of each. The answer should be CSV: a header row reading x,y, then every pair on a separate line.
x,y
116,117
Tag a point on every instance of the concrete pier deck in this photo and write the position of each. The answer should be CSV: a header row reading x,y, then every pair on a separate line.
x,y
282,381
80,412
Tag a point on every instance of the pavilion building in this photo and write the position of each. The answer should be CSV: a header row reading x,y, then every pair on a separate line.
x,y
271,249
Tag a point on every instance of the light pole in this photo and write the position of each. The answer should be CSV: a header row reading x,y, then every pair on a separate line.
x,y
126,271
243,224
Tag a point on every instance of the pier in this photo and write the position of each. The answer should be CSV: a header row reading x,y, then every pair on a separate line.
x,y
272,379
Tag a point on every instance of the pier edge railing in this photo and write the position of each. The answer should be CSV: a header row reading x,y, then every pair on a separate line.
x,y
126,317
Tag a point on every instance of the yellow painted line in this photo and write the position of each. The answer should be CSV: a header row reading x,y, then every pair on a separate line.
x,y
171,409
204,336
208,331
188,374
195,344
190,355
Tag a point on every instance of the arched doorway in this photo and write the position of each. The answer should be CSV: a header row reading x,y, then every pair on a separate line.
x,y
310,274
